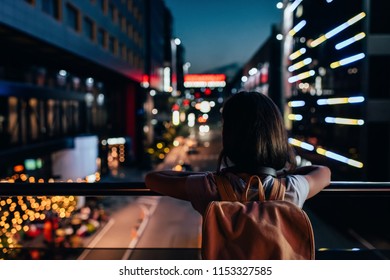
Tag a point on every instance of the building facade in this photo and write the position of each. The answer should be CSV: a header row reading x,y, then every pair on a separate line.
x,y
325,66
262,72
71,68
335,76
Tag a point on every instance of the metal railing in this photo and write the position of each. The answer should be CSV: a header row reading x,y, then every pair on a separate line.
x,y
347,199
139,189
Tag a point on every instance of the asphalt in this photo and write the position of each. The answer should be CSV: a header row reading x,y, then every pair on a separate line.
x,y
125,174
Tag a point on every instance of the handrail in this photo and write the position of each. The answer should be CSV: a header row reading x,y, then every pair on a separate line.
x,y
334,193
84,189
139,189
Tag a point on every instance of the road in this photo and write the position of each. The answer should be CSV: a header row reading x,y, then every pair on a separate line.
x,y
175,225
157,227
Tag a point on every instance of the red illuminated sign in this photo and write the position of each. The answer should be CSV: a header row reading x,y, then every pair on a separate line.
x,y
205,80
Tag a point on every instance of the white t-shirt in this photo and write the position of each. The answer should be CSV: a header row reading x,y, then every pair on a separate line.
x,y
202,189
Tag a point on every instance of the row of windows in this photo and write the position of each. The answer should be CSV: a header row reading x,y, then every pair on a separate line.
x,y
99,35
53,7
110,9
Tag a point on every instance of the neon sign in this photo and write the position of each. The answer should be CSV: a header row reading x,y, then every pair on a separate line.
x,y
204,80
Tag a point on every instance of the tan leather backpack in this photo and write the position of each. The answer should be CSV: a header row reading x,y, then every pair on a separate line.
x,y
272,229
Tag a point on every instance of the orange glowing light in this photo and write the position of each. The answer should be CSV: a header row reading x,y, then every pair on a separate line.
x,y
205,78
18,168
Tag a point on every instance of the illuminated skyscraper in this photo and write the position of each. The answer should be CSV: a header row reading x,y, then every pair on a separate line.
x,y
335,75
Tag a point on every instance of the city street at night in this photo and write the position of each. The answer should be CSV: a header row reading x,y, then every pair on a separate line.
x,y
96,94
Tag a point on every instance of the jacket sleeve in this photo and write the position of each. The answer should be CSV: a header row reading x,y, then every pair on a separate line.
x,y
201,190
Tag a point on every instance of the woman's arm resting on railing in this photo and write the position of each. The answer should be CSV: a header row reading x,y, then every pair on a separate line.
x,y
171,183
318,177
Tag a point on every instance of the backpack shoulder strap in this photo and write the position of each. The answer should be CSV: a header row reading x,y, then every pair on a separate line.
x,y
278,190
260,188
225,189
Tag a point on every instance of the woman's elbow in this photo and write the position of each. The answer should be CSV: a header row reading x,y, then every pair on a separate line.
x,y
327,176
319,181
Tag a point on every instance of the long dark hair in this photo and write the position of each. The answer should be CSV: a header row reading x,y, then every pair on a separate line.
x,y
254,135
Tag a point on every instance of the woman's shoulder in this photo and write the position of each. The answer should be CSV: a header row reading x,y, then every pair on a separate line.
x,y
296,180
297,189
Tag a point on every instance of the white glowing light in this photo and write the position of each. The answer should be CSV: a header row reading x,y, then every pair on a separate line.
x,y
300,64
326,153
252,71
347,60
191,120
116,141
295,117
339,157
200,84
296,103
297,53
350,41
175,117
297,28
279,5
337,30
301,76
340,100
294,5
301,144
344,121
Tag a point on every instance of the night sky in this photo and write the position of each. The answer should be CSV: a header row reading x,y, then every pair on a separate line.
x,y
216,33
